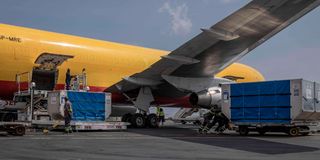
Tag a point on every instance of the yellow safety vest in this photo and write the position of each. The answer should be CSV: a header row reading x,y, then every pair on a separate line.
x,y
161,113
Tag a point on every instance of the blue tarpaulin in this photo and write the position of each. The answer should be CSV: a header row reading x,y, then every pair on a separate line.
x,y
261,102
87,106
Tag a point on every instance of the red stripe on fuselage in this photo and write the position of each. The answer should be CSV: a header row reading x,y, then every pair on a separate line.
x,y
8,88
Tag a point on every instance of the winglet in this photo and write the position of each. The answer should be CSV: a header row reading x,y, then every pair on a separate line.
x,y
221,34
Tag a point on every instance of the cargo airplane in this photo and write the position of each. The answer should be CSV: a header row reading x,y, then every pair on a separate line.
x,y
188,76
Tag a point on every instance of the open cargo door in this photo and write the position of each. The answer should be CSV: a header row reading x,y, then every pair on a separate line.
x,y
49,61
46,74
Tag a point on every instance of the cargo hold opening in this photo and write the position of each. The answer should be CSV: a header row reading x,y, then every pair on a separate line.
x,y
44,79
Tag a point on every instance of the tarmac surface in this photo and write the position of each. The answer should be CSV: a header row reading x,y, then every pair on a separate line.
x,y
169,142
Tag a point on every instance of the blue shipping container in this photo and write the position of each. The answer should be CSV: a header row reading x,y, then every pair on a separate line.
x,y
261,102
87,106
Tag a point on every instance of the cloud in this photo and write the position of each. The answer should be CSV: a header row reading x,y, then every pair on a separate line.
x,y
180,22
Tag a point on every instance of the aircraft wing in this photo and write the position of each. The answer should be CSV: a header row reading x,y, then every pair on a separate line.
x,y
222,44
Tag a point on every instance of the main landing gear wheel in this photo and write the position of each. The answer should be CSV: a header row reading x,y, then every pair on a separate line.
x,y
138,120
152,121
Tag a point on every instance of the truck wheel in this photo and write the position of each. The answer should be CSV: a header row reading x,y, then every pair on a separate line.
x,y
243,130
294,131
138,120
152,121
20,130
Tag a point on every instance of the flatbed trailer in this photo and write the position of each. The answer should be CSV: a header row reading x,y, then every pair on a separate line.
x,y
81,126
294,129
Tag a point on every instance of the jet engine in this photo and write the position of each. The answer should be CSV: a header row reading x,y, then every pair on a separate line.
x,y
206,98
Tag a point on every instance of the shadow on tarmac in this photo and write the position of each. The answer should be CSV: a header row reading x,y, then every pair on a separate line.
x,y
231,141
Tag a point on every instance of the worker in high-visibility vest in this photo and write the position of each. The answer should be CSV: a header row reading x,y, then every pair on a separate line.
x,y
161,116
67,115
158,111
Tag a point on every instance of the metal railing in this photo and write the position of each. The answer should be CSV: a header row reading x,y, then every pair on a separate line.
x,y
18,80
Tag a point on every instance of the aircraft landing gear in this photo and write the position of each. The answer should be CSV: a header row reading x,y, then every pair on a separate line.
x,y
139,120
152,121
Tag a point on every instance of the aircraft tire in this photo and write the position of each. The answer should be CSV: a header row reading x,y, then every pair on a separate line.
x,y
138,121
152,121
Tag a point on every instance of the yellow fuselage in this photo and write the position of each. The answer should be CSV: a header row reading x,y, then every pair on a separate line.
x,y
106,62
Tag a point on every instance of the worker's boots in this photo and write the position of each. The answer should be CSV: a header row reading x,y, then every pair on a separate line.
x,y
68,129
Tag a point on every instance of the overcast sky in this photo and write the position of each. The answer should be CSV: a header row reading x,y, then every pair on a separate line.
x,y
166,24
